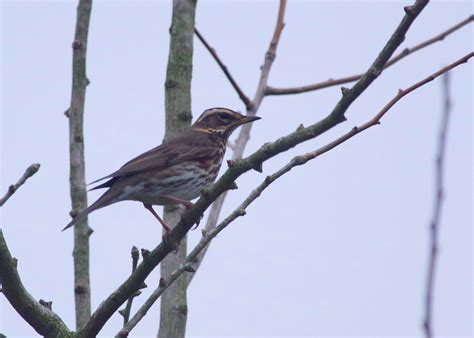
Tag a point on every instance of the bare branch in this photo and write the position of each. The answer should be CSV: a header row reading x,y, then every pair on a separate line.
x,y
334,82
163,285
30,171
376,119
126,311
40,317
243,97
227,181
436,217
437,38
187,265
173,311
43,320
77,180
270,56
244,134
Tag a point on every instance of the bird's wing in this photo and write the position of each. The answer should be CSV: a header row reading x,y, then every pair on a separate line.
x,y
167,154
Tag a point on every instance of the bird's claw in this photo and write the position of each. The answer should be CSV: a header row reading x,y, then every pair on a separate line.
x,y
197,222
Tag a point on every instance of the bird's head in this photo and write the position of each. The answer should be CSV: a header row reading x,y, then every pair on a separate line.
x,y
221,121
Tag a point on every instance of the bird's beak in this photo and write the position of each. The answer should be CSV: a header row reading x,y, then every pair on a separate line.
x,y
248,119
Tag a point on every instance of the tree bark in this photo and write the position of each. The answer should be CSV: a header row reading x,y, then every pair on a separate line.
x,y
173,313
77,164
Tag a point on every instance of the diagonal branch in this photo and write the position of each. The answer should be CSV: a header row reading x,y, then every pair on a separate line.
x,y
243,97
334,82
239,167
43,320
30,171
436,38
187,265
436,217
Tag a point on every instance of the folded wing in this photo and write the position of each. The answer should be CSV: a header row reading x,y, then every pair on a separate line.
x,y
167,154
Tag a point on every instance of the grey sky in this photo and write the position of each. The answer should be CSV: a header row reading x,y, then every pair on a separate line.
x,y
337,247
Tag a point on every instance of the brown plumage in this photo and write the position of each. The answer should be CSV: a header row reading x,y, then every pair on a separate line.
x,y
176,171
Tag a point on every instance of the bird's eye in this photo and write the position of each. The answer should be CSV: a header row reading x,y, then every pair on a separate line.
x,y
224,116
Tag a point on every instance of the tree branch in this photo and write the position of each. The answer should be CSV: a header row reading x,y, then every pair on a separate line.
x,y
163,285
436,217
239,167
30,171
43,320
243,97
125,312
334,82
173,312
244,134
187,265
77,180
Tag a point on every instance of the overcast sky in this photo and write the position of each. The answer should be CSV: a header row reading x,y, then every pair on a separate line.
x,y
337,247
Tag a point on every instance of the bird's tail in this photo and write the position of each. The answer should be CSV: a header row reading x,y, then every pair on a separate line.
x,y
103,201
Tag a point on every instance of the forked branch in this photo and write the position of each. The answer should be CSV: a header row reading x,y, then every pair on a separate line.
x,y
244,136
334,82
187,265
269,150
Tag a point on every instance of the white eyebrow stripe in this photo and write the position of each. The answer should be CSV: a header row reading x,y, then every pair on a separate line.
x,y
213,110
204,115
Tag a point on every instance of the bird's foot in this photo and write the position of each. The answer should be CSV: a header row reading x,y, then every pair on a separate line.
x,y
197,222
187,204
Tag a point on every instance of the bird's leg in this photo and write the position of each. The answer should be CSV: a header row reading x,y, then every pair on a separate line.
x,y
178,200
187,205
149,207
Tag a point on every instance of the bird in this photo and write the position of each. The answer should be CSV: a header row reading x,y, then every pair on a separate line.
x,y
174,172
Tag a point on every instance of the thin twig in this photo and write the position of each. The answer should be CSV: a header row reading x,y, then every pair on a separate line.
x,y
42,319
163,285
187,265
434,39
436,217
30,171
126,311
334,82
244,134
243,97
254,161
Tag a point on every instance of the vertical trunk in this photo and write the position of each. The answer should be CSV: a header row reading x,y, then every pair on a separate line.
x,y
174,307
77,165
173,313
